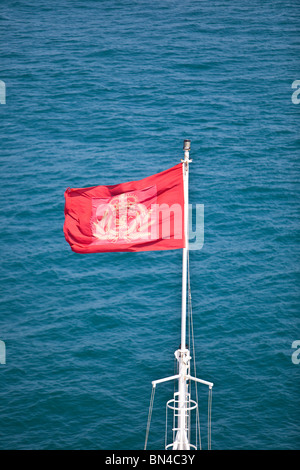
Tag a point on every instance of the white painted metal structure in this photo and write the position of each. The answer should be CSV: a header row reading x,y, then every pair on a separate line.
x,y
181,404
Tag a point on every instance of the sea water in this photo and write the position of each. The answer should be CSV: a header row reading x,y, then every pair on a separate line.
x,y
103,92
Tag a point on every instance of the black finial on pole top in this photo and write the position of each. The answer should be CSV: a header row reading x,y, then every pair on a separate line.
x,y
187,144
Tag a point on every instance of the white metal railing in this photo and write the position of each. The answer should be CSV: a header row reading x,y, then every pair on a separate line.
x,y
174,404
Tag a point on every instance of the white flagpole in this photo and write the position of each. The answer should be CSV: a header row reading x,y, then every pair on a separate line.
x,y
181,404
182,439
185,165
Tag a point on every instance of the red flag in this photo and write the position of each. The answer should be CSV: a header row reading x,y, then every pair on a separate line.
x,y
135,216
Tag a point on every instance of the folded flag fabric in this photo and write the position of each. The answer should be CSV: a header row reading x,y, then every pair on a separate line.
x,y
135,216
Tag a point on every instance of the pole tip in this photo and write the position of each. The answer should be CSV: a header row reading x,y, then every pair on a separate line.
x,y
186,144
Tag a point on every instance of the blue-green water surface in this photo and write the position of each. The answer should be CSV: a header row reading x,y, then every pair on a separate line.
x,y
102,92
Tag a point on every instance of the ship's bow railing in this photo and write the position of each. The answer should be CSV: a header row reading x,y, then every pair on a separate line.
x,y
185,440
181,427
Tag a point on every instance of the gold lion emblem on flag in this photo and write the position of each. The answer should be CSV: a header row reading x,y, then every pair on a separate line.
x,y
123,218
